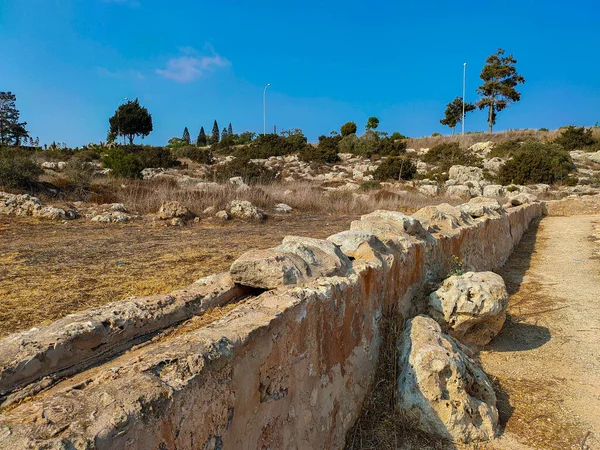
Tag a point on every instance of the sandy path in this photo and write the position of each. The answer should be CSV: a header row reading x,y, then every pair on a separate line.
x,y
546,361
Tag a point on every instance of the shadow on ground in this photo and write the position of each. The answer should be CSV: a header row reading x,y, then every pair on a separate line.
x,y
519,337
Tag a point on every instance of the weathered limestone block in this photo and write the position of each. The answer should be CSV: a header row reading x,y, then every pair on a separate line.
x,y
441,390
359,244
324,258
26,205
480,207
471,307
522,199
389,222
268,269
171,210
243,209
459,191
442,217
493,190
462,174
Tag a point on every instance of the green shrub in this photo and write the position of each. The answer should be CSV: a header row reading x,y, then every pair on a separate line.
x,y
123,164
575,138
243,167
348,128
505,149
436,134
395,168
370,185
265,146
347,144
79,173
196,154
324,152
447,155
536,162
17,169
544,129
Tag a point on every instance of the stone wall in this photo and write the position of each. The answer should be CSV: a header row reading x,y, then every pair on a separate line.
x,y
286,369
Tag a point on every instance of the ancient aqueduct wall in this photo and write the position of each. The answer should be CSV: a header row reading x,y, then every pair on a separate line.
x,y
288,368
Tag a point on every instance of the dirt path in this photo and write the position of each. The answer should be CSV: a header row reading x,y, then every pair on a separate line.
x,y
546,361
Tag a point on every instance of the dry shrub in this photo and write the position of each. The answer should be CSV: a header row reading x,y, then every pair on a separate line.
x,y
146,196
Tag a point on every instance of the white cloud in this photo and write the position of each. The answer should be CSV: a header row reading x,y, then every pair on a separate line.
x,y
190,67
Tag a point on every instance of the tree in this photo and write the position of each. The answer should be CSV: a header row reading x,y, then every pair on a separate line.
x,y
348,128
500,78
215,133
186,136
229,130
131,120
11,130
372,123
454,112
201,141
224,133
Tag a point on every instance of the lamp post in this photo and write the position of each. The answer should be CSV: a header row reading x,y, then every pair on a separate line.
x,y
463,102
265,109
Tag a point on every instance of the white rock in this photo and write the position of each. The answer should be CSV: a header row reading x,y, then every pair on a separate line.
x,y
243,209
493,190
462,174
460,191
282,208
441,390
471,307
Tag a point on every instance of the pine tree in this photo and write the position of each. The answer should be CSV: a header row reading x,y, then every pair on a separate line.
x,y
215,133
11,130
454,111
500,78
186,136
229,130
201,141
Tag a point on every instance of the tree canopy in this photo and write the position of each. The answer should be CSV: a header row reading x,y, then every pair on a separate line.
x,y
131,120
186,136
215,133
11,130
454,111
372,123
201,141
348,128
500,79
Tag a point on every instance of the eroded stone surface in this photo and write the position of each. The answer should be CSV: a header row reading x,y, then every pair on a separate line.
x,y
471,307
441,390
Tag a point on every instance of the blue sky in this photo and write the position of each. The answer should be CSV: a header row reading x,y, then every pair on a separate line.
x,y
70,62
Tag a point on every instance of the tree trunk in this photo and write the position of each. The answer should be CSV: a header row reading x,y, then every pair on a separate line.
x,y
130,139
490,118
453,130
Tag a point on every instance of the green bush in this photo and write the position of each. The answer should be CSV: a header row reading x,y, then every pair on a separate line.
x,y
243,167
536,162
123,164
325,152
447,155
348,128
17,169
265,146
575,138
505,149
196,154
395,168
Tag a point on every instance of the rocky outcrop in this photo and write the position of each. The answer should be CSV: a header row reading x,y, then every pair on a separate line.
x,y
172,210
459,191
441,390
110,213
243,209
471,307
462,174
26,205
522,199
282,208
481,207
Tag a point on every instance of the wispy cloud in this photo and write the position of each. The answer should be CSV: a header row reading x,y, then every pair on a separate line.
x,y
121,74
190,66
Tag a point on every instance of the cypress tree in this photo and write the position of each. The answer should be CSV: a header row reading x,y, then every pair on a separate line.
x,y
215,133
201,141
186,136
224,133
229,130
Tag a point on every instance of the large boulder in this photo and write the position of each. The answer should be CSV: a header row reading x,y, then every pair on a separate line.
x,y
295,261
594,157
470,307
389,222
359,244
441,390
459,191
481,207
493,190
493,164
26,205
522,199
462,174
243,209
442,218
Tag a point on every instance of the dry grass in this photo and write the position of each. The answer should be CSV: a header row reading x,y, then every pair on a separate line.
x,y
380,426
145,197
472,138
49,269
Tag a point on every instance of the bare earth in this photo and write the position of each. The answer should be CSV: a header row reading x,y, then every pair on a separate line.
x,y
546,361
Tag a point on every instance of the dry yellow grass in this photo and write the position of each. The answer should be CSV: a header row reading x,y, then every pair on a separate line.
x,y
49,269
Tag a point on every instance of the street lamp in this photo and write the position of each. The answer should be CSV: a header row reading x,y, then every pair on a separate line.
x,y
463,105
265,109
